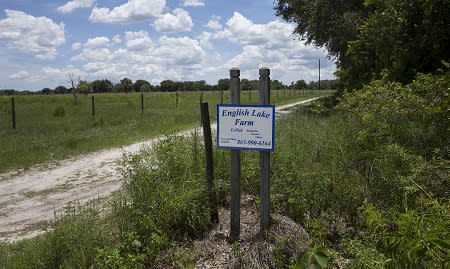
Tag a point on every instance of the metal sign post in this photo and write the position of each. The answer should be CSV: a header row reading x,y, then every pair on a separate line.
x,y
264,163
235,228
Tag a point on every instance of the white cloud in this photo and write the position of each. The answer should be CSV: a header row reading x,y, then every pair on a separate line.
x,y
76,46
271,45
243,31
39,35
183,50
93,54
73,5
138,41
214,23
132,11
20,75
140,57
193,3
97,42
180,21
117,39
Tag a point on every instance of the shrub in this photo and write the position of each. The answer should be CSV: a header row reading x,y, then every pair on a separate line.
x,y
165,197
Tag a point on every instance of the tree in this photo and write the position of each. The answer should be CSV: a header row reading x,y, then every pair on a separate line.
x,y
46,91
374,38
276,85
223,84
73,89
142,86
61,90
168,86
324,23
126,85
102,86
245,85
84,87
200,85
300,84
400,39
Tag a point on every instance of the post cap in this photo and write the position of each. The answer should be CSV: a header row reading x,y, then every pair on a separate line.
x,y
235,72
264,71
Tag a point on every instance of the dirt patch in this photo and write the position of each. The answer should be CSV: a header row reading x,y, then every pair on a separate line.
x,y
251,251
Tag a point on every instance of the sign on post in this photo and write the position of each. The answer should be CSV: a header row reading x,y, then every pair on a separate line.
x,y
246,127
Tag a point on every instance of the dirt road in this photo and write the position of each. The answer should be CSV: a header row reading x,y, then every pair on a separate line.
x,y
30,198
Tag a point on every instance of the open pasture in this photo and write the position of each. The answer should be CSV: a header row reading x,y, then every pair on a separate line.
x,y
54,127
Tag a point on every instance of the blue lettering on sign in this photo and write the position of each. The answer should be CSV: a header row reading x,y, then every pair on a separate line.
x,y
261,114
235,113
243,122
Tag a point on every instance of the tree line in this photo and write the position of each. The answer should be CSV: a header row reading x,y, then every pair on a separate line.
x,y
126,85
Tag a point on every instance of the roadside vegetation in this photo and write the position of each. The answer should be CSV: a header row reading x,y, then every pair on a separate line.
x,y
368,181
55,127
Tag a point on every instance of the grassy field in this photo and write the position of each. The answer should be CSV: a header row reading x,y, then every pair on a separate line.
x,y
54,127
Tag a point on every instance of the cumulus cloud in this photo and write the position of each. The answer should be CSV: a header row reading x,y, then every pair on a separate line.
x,y
117,39
76,46
241,30
132,11
39,35
179,21
183,50
271,45
214,23
193,3
140,57
138,41
97,42
73,5
20,75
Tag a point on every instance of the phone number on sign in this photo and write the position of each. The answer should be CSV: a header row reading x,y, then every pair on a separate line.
x,y
254,142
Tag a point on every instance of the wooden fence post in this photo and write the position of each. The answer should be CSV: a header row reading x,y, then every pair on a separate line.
x,y
213,210
13,110
235,217
93,106
142,103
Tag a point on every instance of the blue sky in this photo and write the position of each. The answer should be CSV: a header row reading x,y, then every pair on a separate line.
x,y
41,42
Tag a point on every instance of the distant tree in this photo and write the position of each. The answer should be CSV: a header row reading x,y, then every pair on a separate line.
x,y
254,84
126,85
223,84
168,86
245,85
61,90
84,87
142,86
47,91
73,89
300,84
8,92
103,85
276,85
200,85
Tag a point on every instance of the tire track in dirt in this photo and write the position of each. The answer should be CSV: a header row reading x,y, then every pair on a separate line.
x,y
32,197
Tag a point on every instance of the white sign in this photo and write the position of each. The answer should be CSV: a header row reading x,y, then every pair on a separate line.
x,y
249,127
